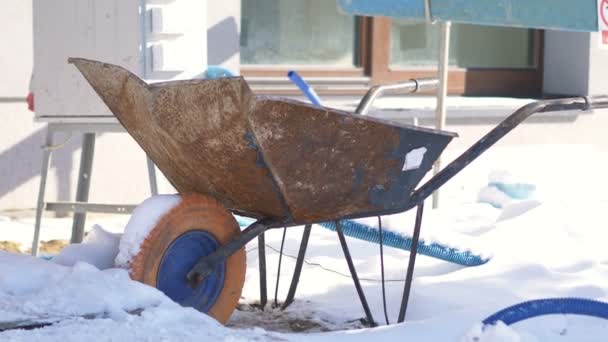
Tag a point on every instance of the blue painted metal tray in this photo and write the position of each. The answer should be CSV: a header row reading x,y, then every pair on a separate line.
x,y
579,15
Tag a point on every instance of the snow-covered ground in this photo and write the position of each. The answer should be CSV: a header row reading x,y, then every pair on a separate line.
x,y
550,246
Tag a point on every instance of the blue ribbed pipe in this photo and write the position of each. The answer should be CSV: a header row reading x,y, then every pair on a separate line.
x,y
371,234
304,87
549,306
435,250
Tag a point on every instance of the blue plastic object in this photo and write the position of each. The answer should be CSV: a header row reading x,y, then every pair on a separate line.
x,y
435,250
515,190
214,72
549,306
178,260
580,15
371,234
304,87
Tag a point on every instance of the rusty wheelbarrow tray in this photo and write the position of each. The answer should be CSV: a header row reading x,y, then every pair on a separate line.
x,y
285,162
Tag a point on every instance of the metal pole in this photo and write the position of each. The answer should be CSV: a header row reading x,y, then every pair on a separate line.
x,y
152,177
262,270
84,182
444,53
46,157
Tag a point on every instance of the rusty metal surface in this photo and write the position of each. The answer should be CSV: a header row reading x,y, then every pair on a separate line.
x,y
194,132
330,164
266,157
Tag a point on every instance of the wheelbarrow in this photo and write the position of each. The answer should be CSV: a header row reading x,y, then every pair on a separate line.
x,y
282,162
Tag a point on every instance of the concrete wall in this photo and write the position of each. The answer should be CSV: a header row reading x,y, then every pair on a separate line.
x,y
574,64
224,27
598,65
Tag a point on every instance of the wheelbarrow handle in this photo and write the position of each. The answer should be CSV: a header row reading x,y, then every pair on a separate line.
x,y
411,86
512,121
597,102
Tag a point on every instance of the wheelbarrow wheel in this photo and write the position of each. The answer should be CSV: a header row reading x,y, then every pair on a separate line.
x,y
196,227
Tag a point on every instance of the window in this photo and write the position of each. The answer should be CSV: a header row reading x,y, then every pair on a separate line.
x,y
471,46
295,32
316,39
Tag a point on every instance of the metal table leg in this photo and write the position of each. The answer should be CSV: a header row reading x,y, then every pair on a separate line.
x,y
46,158
152,176
262,269
84,182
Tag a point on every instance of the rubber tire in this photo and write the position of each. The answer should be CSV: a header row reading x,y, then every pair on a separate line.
x,y
195,212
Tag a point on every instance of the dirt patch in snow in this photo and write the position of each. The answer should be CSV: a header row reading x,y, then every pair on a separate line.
x,y
46,247
300,317
9,246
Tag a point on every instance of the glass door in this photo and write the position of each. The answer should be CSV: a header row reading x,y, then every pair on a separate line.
x,y
311,36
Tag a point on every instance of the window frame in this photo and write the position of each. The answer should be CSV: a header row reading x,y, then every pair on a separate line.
x,y
373,62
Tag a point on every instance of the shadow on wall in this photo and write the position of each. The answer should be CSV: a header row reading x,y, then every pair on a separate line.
x,y
222,41
24,159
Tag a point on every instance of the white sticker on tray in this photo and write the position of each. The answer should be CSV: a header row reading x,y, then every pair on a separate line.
x,y
413,159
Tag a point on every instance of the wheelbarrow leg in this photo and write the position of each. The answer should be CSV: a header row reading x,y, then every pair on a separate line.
x,y
262,269
298,269
410,267
353,273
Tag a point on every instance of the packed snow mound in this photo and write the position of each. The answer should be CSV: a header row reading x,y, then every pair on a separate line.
x,y
99,249
142,221
118,309
49,289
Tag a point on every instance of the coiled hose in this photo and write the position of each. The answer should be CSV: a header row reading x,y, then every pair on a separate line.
x,y
549,306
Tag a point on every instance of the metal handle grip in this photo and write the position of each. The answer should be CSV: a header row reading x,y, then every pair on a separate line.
x,y
425,84
597,102
411,86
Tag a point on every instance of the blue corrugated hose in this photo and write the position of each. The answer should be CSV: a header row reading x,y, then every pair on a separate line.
x,y
435,250
549,306
371,234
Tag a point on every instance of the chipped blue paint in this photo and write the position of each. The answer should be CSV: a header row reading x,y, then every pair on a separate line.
x,y
579,15
358,179
251,143
401,183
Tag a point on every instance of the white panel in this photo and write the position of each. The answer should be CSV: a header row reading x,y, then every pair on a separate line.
x,y
120,32
176,38
16,55
105,30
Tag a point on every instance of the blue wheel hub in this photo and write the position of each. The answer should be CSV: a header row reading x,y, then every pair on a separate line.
x,y
178,260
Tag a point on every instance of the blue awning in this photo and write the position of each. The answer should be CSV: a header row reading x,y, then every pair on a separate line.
x,y
574,15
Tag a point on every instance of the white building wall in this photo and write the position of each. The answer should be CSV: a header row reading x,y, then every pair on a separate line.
x,y
119,170
574,64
